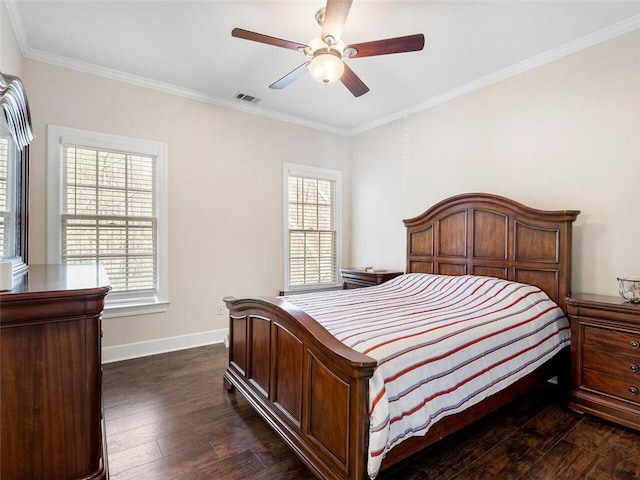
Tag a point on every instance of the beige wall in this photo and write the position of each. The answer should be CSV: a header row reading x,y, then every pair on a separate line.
x,y
225,189
562,136
10,57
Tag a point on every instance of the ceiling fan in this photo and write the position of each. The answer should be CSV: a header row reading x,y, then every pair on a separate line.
x,y
328,51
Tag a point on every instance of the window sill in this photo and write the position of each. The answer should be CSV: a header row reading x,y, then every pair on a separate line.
x,y
134,308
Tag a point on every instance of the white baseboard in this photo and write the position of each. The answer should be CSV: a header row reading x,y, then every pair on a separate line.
x,y
127,351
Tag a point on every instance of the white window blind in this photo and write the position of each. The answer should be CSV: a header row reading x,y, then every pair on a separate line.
x,y
108,204
108,214
312,221
4,195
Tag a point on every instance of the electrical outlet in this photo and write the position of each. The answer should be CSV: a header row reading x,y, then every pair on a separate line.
x,y
220,309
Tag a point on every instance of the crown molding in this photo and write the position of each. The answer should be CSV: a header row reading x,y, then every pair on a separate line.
x,y
601,36
99,71
15,16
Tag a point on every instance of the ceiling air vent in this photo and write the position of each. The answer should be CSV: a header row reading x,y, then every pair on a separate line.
x,y
247,98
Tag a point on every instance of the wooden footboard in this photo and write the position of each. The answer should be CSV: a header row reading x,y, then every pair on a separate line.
x,y
313,390
309,387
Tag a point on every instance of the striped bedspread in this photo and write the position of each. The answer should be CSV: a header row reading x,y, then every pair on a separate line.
x,y
442,344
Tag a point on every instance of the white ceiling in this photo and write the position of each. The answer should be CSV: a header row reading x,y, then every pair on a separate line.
x,y
186,47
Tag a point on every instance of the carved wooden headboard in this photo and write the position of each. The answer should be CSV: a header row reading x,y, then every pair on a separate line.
x,y
484,234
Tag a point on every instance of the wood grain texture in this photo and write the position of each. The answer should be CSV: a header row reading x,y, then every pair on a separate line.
x,y
478,233
538,250
605,358
353,83
51,395
169,417
387,46
335,16
267,39
288,385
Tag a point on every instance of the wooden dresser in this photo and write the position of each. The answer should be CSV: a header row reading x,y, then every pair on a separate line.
x,y
358,277
51,382
605,358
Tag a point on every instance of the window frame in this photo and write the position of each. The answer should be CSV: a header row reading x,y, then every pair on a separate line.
x,y
118,304
297,170
11,198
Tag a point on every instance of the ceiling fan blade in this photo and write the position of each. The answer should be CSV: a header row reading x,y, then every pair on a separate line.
x,y
260,38
353,82
290,77
335,16
410,43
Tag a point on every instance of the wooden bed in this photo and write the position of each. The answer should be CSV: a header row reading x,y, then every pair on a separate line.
x,y
313,390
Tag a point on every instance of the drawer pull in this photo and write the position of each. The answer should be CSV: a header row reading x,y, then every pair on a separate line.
x,y
634,344
633,367
633,390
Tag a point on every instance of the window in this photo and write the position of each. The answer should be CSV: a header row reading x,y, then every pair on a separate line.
x,y
5,208
107,204
312,227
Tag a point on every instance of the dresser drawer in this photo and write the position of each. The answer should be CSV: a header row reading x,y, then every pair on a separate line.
x,y
620,343
617,387
617,365
605,355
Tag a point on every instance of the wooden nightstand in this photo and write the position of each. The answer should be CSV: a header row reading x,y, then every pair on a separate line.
x,y
605,358
358,278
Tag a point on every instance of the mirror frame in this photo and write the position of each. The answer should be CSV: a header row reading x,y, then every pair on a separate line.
x,y
14,103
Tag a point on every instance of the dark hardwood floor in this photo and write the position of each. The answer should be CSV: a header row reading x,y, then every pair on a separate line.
x,y
168,417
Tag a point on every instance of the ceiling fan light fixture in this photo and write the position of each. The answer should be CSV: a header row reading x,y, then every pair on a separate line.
x,y
326,67
325,53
